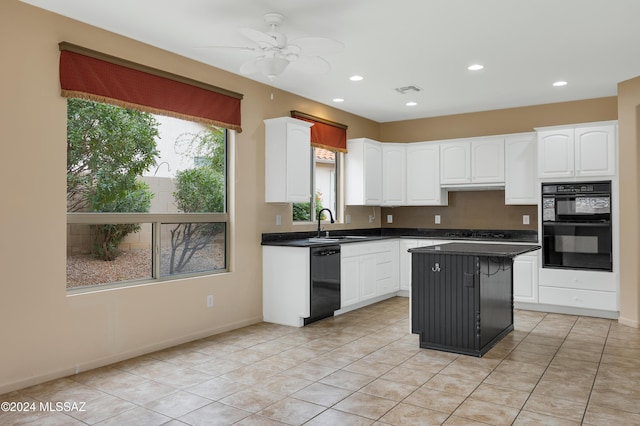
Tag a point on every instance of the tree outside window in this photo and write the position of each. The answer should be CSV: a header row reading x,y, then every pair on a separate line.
x,y
324,187
139,183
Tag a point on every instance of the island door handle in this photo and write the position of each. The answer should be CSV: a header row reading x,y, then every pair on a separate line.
x,y
436,268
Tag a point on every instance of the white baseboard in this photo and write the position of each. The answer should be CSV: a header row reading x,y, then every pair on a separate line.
x,y
557,309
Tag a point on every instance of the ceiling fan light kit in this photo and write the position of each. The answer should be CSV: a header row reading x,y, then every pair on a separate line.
x,y
271,67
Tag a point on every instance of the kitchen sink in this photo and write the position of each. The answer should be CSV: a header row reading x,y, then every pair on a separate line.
x,y
338,238
346,237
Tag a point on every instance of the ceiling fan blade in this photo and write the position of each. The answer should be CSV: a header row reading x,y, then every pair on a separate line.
x,y
311,65
263,39
240,48
318,46
249,67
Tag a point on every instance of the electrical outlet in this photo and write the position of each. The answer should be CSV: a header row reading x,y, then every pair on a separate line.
x,y
347,218
278,219
437,219
210,301
389,218
525,219
370,218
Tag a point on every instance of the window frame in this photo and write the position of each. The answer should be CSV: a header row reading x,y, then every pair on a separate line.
x,y
156,220
338,188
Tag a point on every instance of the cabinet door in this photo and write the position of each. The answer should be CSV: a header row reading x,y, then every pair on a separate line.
x,y
455,162
520,170
487,161
298,163
423,175
525,278
363,173
349,281
387,272
405,262
372,174
555,153
595,150
367,276
394,176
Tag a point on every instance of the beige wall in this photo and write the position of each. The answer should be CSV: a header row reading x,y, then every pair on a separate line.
x,y
466,210
498,122
47,334
629,159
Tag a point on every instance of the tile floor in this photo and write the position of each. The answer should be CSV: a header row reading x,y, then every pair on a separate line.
x,y
362,368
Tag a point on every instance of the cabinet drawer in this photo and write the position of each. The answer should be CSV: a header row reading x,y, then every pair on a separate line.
x,y
589,299
580,280
384,270
359,249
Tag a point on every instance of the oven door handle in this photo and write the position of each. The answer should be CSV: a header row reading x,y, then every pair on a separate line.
x,y
594,223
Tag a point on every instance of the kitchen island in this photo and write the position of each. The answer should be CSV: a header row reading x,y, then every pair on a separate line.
x,y
462,295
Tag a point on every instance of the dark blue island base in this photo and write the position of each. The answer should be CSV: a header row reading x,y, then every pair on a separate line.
x,y
462,295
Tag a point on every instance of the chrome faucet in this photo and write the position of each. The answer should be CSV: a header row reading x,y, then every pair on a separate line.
x,y
320,218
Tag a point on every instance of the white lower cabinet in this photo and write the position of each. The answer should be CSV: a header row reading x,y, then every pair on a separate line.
x,y
525,278
368,271
405,257
349,280
579,289
285,296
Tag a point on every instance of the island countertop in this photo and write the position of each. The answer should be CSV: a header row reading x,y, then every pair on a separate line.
x,y
477,249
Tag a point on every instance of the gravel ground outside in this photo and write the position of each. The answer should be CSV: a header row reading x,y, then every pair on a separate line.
x,y
85,270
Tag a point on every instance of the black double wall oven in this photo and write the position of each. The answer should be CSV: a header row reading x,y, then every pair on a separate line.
x,y
576,225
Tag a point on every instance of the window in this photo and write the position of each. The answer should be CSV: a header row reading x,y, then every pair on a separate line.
x,y
146,196
324,184
328,140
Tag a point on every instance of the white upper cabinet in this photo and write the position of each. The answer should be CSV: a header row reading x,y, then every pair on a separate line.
x,y
363,173
394,174
595,151
555,153
520,169
478,161
487,160
287,160
577,151
455,162
423,175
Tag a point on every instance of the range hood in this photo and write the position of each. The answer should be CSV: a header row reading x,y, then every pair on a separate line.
x,y
473,187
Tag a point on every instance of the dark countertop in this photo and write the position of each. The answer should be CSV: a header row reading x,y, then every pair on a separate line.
x,y
477,249
307,239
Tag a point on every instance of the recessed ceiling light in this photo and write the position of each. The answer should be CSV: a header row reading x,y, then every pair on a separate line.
x,y
475,67
411,103
560,83
356,78
338,100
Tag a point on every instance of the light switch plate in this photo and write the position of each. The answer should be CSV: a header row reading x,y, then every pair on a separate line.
x,y
525,219
389,218
437,219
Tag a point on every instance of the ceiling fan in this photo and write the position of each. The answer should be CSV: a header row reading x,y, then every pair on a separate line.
x,y
275,53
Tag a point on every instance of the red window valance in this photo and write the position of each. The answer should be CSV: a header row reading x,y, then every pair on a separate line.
x,y
92,75
324,133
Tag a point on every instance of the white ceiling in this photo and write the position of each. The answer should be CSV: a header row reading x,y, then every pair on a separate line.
x,y
525,46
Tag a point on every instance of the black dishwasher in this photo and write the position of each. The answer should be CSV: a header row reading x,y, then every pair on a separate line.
x,y
325,282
